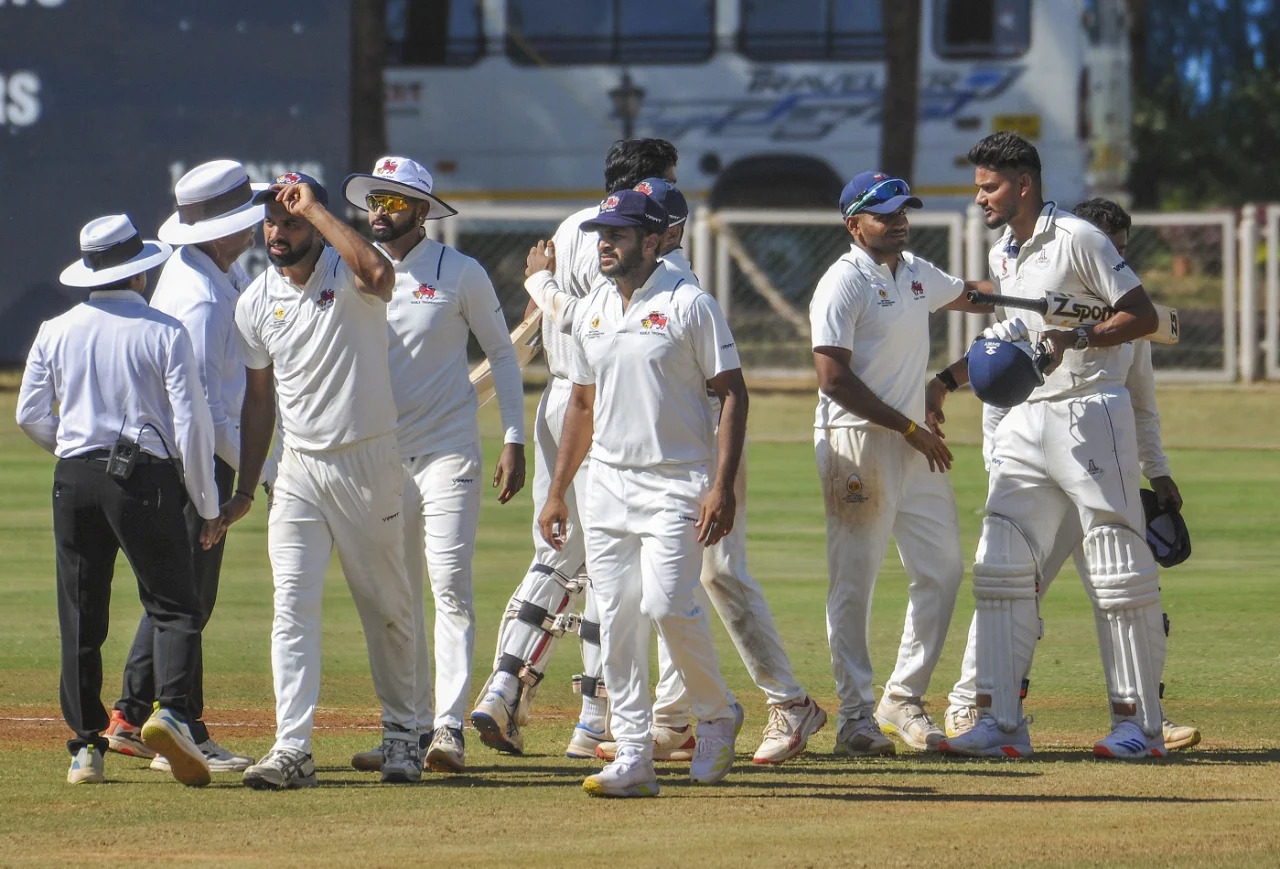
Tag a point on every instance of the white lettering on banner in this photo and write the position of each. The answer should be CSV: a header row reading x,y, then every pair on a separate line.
x,y
19,98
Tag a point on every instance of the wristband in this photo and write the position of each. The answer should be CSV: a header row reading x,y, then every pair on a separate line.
x,y
248,495
910,429
948,379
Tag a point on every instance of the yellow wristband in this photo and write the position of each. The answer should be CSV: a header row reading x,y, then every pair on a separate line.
x,y
910,429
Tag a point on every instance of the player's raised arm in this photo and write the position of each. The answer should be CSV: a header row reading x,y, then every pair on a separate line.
x,y
374,274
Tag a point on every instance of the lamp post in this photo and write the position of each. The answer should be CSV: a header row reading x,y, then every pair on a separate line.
x,y
626,103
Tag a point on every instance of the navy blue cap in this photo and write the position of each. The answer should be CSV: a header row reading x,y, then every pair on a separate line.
x,y
668,196
886,198
1002,373
322,195
628,208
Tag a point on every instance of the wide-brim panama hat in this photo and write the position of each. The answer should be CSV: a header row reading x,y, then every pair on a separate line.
x,y
409,178
111,250
215,199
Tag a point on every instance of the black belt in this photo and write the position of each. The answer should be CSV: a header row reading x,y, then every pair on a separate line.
x,y
103,455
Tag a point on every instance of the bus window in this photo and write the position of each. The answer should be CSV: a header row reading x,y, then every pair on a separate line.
x,y
811,30
545,32
981,28
442,33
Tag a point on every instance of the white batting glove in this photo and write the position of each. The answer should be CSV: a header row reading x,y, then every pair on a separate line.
x,y
1012,330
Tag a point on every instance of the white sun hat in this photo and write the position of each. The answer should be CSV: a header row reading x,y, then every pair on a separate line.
x,y
400,175
111,250
215,199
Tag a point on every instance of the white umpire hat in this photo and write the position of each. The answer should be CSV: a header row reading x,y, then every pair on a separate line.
x,y
111,250
214,199
391,174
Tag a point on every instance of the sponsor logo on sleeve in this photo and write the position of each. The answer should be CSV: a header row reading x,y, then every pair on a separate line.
x,y
1120,266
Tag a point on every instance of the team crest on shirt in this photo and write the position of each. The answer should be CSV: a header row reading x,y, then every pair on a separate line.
x,y
277,316
1004,267
885,301
424,293
325,300
917,290
654,321
853,488
595,322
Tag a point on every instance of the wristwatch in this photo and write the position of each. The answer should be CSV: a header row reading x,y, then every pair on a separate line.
x,y
1082,337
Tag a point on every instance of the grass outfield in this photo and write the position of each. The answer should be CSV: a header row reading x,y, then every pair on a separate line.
x,y
1216,805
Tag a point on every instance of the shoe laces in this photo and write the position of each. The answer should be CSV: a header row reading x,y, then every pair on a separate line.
x,y
779,725
396,750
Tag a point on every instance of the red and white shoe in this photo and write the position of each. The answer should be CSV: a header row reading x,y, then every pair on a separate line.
x,y
986,739
788,731
1128,742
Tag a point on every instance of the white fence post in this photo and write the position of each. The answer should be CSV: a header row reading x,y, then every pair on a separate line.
x,y
975,246
701,256
1272,327
955,257
723,275
1249,293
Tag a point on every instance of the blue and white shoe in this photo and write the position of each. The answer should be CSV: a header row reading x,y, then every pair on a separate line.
x,y
1128,742
86,767
584,741
495,718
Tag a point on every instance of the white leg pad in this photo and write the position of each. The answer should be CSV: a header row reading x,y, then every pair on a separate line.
x,y
1124,584
1007,621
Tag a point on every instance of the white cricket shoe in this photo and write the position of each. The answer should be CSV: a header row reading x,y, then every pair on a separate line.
x,y
959,719
495,719
713,751
218,758
585,741
401,758
1128,742
282,769
907,719
861,737
86,767
168,736
986,739
447,752
669,743
1179,736
788,731
630,775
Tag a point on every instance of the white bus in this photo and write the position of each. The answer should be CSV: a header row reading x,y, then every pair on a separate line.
x,y
770,102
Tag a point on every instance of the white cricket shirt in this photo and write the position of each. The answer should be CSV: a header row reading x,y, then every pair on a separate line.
x,y
650,365
440,297
882,318
577,273
202,297
1066,254
328,344
116,366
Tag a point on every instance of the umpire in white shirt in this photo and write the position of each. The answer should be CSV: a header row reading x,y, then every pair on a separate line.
x,y
131,419
214,224
441,297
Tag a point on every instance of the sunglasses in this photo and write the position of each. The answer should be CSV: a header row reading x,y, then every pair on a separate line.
x,y
388,202
879,192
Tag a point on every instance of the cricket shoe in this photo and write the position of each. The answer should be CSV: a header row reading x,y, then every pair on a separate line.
x,y
86,767
218,758
907,720
447,752
123,738
495,719
282,769
401,758
669,743
986,739
368,761
1128,742
959,719
168,736
1179,736
788,731
713,751
584,741
630,775
861,737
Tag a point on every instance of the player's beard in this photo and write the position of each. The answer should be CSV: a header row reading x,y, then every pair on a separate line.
x,y
384,234
624,264
292,257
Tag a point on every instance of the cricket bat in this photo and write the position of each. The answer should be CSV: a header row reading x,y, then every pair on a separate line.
x,y
527,339
1062,309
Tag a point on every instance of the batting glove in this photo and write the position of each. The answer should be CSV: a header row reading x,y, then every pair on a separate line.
x,y
1012,330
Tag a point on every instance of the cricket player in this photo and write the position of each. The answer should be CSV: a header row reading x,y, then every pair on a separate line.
x,y
962,715
883,473
441,297
199,287
648,345
314,326
541,609
1071,448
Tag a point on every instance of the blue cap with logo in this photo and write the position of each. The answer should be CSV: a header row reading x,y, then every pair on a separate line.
x,y
668,196
877,193
628,208
269,194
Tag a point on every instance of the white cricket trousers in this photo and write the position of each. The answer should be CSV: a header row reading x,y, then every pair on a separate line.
x,y
441,513
740,602
875,486
351,497
644,559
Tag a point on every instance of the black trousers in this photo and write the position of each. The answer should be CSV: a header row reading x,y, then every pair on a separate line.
x,y
139,672
94,517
